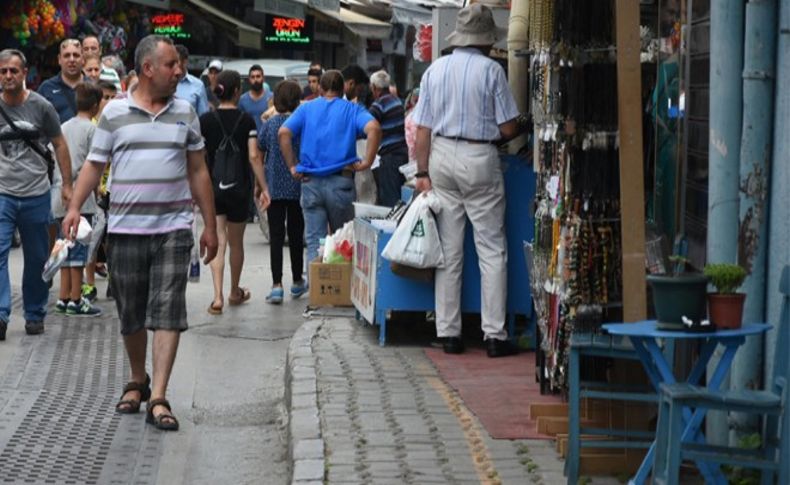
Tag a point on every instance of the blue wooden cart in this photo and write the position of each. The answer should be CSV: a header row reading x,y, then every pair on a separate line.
x,y
376,291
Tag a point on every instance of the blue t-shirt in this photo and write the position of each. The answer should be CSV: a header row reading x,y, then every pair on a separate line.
x,y
255,108
61,95
328,130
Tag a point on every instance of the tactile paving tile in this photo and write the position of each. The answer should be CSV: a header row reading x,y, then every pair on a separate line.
x,y
59,424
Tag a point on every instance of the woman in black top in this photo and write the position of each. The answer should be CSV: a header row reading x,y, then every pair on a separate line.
x,y
233,162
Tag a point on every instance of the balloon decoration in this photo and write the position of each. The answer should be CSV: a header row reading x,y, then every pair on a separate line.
x,y
36,21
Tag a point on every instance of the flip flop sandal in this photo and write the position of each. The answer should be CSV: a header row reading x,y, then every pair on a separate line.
x,y
245,295
164,422
132,406
215,310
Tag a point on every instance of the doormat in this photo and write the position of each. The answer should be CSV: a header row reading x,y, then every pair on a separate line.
x,y
499,391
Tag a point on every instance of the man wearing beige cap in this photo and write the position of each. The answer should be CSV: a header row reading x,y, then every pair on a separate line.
x,y
465,108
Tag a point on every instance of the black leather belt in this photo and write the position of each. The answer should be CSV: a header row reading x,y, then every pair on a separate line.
x,y
469,140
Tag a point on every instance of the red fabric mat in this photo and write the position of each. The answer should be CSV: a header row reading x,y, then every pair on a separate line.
x,y
499,391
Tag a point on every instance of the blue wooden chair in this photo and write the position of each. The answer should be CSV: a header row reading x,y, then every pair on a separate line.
x,y
604,346
773,458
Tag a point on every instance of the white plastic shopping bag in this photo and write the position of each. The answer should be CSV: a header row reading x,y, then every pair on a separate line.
x,y
60,251
99,223
415,241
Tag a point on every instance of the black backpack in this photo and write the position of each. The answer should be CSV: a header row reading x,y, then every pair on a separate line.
x,y
229,170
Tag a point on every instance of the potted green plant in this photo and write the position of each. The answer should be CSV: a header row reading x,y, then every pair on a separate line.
x,y
725,307
678,294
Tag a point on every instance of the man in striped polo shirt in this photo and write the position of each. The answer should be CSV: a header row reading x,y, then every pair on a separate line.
x,y
393,152
157,169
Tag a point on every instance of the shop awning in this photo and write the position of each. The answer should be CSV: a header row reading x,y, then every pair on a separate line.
x,y
408,13
431,3
243,35
359,24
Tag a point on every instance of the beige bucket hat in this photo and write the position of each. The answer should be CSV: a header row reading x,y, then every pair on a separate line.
x,y
475,26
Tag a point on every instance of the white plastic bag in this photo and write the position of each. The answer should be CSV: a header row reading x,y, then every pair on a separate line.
x,y
60,251
263,220
84,232
99,223
415,241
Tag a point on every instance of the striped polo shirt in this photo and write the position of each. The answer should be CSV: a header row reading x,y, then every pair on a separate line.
x,y
466,95
150,187
388,111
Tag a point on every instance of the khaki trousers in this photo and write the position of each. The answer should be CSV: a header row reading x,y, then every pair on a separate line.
x,y
467,178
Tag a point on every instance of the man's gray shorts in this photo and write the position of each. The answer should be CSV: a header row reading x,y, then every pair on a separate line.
x,y
148,277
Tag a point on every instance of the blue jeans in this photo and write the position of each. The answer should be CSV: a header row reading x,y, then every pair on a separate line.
x,y
31,216
325,201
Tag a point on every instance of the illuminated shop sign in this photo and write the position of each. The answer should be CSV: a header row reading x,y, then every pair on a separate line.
x,y
171,25
288,32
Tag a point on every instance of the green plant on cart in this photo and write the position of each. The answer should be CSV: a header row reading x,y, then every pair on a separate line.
x,y
745,476
726,277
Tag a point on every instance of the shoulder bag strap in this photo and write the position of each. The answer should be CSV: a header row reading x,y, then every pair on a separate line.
x,y
43,153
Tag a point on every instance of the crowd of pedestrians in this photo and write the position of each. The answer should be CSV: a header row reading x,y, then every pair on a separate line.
x,y
143,150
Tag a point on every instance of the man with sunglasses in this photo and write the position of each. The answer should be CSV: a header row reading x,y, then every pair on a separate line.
x,y
27,123
59,89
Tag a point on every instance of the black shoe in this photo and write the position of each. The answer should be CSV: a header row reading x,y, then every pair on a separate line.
x,y
34,327
3,328
109,294
453,345
500,348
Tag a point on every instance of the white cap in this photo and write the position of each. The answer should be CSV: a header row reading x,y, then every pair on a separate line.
x,y
215,64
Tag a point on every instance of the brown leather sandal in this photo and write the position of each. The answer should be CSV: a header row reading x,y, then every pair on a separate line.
x,y
215,310
234,300
132,406
164,422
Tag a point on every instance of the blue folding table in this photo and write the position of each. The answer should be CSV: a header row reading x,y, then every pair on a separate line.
x,y
645,338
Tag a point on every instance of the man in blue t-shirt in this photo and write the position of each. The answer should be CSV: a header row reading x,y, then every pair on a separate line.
x,y
328,128
255,101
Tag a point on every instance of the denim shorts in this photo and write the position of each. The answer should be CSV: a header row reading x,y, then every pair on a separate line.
x,y
148,276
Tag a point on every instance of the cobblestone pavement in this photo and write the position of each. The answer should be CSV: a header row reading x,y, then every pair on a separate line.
x,y
387,417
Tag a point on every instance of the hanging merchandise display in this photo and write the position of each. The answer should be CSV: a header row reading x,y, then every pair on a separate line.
x,y
34,21
576,255
422,43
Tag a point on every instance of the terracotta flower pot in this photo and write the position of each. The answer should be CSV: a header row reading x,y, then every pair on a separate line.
x,y
726,310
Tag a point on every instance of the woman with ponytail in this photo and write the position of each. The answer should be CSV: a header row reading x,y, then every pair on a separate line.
x,y
230,136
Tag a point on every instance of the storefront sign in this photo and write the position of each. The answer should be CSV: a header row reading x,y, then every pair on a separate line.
x,y
284,8
170,25
288,32
363,276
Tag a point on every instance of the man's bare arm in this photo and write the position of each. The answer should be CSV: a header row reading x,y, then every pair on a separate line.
x,y
374,134
200,185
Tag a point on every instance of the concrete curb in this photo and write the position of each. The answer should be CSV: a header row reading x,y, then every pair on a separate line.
x,y
305,443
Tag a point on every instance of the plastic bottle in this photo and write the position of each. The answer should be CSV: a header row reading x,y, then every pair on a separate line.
x,y
194,265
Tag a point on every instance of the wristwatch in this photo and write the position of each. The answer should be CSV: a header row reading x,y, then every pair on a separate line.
x,y
421,175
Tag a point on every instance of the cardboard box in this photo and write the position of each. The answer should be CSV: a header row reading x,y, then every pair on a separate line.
x,y
330,284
